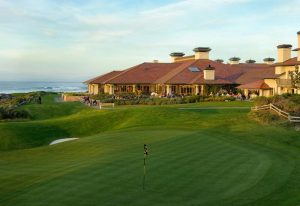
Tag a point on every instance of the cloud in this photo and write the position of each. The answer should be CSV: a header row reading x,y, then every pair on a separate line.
x,y
188,7
98,19
83,35
9,54
291,7
49,33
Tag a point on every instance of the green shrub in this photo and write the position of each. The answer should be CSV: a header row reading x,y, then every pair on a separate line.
x,y
287,102
12,113
260,101
9,107
265,117
295,98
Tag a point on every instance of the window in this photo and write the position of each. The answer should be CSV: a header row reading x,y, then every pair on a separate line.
x,y
194,69
173,89
188,90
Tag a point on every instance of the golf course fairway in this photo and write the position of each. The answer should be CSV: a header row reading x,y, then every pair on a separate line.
x,y
212,156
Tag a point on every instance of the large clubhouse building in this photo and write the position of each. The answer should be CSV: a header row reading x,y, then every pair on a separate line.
x,y
199,75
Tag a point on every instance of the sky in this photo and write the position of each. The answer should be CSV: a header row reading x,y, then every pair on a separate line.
x,y
72,41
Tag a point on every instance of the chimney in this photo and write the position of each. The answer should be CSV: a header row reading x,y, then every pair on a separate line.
x,y
209,73
219,60
155,61
298,34
250,61
284,52
298,49
234,60
202,52
269,60
175,55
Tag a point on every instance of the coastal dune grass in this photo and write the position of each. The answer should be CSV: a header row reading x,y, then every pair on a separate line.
x,y
197,157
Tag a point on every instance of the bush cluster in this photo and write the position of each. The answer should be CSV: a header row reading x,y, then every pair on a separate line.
x,y
9,106
287,102
12,113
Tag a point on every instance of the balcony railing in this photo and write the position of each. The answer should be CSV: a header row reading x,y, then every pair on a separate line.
x,y
284,82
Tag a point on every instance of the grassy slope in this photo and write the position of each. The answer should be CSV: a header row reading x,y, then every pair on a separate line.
x,y
198,157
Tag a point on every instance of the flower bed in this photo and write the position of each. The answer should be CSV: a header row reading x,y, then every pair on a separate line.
x,y
132,99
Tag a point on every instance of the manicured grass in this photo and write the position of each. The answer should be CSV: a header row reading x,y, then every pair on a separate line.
x,y
197,157
48,109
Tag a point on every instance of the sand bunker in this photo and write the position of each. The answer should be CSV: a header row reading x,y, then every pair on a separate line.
x,y
62,140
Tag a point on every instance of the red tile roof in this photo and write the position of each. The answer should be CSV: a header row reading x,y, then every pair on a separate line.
x,y
102,79
254,74
180,73
185,76
260,84
145,73
289,62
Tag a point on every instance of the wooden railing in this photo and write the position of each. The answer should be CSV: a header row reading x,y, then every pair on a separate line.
x,y
280,112
101,105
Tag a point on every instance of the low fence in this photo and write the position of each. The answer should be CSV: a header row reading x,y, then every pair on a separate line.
x,y
280,112
98,104
101,105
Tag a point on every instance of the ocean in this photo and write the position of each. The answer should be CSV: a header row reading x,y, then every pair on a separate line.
x,y
23,87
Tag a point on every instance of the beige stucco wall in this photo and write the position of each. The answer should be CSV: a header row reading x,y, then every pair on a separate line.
x,y
93,88
89,88
67,98
234,62
111,89
285,69
269,62
173,59
283,54
298,47
185,58
96,88
201,55
267,93
106,88
279,70
168,89
196,89
273,84
209,74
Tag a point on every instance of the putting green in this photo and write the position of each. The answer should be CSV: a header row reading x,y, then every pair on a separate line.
x,y
197,157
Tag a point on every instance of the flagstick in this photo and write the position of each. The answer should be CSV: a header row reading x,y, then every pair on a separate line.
x,y
144,179
145,155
